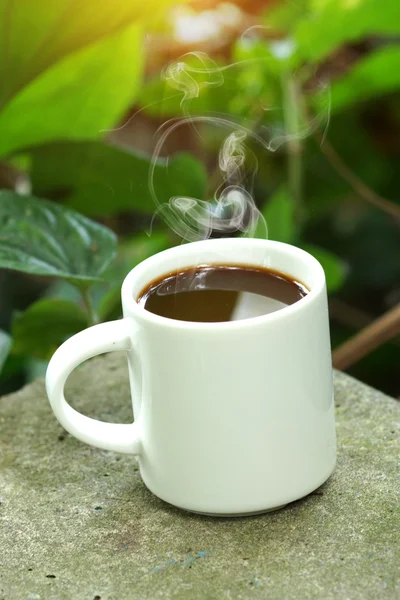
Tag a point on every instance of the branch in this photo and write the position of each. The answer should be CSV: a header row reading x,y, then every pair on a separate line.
x,y
380,331
355,182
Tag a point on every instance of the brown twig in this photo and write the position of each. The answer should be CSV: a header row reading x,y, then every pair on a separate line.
x,y
380,331
355,182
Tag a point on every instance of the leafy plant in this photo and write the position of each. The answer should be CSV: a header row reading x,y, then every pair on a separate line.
x,y
315,87
100,180
38,331
42,238
77,76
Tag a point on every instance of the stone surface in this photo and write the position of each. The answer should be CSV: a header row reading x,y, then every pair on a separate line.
x,y
78,523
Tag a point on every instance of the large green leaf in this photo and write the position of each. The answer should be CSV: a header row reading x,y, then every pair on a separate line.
x,y
377,74
5,345
78,97
334,267
107,294
331,23
38,331
98,179
279,214
36,35
43,238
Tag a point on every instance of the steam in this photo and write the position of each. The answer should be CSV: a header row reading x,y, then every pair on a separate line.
x,y
179,76
232,208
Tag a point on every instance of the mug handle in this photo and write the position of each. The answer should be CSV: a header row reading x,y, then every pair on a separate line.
x,y
105,337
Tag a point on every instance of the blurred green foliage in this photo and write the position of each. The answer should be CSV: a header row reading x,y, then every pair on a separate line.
x,y
38,330
100,180
317,81
5,345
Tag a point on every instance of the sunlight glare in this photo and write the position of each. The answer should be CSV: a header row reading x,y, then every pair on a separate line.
x,y
193,27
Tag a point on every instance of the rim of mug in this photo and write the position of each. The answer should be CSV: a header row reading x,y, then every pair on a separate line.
x,y
129,297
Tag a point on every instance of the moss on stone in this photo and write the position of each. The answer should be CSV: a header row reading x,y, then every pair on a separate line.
x,y
78,522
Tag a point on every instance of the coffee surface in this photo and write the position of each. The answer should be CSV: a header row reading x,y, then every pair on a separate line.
x,y
216,293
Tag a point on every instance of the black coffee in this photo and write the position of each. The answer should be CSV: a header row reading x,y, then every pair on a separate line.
x,y
216,293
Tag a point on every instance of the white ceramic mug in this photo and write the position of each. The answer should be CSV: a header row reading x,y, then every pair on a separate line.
x,y
231,418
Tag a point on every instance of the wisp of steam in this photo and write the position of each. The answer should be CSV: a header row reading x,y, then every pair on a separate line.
x,y
232,208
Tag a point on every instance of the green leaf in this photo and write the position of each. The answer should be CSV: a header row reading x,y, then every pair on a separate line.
x,y
279,214
46,324
101,180
78,97
334,267
377,74
36,35
331,23
13,369
5,345
43,238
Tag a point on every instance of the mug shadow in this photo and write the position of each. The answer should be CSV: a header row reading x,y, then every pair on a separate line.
x,y
180,513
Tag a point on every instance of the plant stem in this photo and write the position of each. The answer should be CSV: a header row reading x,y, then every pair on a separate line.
x,y
292,115
88,302
355,182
